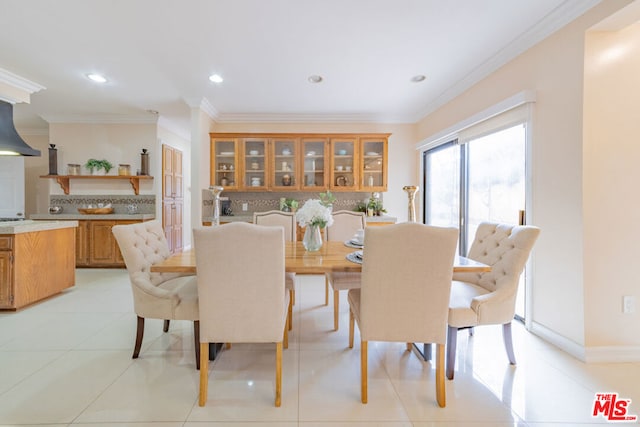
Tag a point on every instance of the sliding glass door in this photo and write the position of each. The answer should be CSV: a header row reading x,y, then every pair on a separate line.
x,y
481,179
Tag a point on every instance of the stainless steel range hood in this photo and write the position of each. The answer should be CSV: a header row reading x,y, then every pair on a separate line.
x,y
11,144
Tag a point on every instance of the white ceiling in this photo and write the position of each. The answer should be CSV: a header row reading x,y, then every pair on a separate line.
x,y
158,54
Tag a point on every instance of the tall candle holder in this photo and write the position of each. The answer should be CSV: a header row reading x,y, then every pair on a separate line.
x,y
215,191
411,193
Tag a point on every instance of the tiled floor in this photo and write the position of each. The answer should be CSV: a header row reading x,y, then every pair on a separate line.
x,y
67,361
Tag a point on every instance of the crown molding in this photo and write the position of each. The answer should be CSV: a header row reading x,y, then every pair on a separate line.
x,y
21,88
101,119
309,118
555,20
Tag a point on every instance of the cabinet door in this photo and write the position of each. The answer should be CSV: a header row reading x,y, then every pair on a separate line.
x,y
255,164
6,279
344,166
177,174
373,164
314,164
102,243
167,172
284,167
177,228
224,164
82,243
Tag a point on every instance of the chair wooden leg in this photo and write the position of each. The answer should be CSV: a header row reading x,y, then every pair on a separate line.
x,y
452,336
441,395
363,370
278,374
165,327
508,342
293,297
326,290
336,309
285,335
196,338
351,325
204,373
409,345
228,346
290,312
139,335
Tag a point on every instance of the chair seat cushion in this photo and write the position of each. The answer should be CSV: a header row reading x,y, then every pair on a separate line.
x,y
290,281
460,312
343,280
186,289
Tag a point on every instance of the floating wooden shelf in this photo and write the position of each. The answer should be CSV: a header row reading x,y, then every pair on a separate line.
x,y
63,180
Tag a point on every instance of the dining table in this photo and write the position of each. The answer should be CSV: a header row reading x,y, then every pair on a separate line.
x,y
333,256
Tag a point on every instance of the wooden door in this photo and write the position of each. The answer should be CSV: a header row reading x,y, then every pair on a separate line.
x,y
172,200
82,243
103,244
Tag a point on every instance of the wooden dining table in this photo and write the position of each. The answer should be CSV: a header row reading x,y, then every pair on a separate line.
x,y
332,257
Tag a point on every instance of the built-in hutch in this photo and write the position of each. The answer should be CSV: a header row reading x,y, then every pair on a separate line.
x,y
299,162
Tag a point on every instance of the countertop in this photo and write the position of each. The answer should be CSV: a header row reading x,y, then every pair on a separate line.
x,y
76,217
249,218
29,226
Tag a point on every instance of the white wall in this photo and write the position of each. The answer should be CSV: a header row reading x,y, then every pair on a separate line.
x,y
611,177
554,69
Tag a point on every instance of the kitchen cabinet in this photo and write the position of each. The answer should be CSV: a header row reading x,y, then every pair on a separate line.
x,y
343,166
172,197
95,244
299,162
35,265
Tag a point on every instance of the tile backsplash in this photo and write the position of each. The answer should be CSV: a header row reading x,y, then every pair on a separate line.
x,y
145,203
265,201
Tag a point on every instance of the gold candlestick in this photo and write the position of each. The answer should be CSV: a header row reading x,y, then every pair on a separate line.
x,y
411,192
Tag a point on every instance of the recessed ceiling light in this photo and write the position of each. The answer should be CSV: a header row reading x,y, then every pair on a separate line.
x,y
216,78
419,78
98,78
315,79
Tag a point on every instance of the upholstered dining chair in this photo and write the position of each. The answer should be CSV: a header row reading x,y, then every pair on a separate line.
x,y
404,296
345,224
168,296
240,271
288,221
489,298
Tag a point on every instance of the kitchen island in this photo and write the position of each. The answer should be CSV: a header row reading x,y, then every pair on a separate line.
x,y
37,260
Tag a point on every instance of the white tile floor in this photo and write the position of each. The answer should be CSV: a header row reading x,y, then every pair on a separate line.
x,y
67,361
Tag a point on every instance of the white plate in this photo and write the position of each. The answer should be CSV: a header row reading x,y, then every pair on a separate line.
x,y
227,153
311,153
372,153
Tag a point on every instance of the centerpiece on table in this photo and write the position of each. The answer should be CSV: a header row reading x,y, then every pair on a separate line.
x,y
314,215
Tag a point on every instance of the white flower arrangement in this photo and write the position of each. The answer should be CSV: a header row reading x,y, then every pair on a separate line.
x,y
313,212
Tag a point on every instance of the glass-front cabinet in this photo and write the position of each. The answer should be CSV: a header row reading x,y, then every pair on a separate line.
x,y
224,168
255,164
373,152
344,167
314,155
284,167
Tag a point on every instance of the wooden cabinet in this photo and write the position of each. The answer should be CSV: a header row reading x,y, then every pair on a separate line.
x,y
299,162
95,244
172,197
35,265
82,247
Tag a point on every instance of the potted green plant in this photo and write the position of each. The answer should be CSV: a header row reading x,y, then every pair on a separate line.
x,y
94,166
290,205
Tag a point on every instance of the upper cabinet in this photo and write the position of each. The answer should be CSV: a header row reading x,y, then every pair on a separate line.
x,y
299,162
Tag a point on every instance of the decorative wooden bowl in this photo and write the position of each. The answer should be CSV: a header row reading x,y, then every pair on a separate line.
x,y
95,211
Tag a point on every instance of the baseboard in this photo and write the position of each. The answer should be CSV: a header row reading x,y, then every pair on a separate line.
x,y
603,354
563,343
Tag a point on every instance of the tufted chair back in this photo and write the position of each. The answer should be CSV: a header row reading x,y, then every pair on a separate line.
x,y
143,244
506,249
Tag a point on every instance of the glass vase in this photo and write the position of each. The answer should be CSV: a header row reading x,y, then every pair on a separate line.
x,y
312,239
